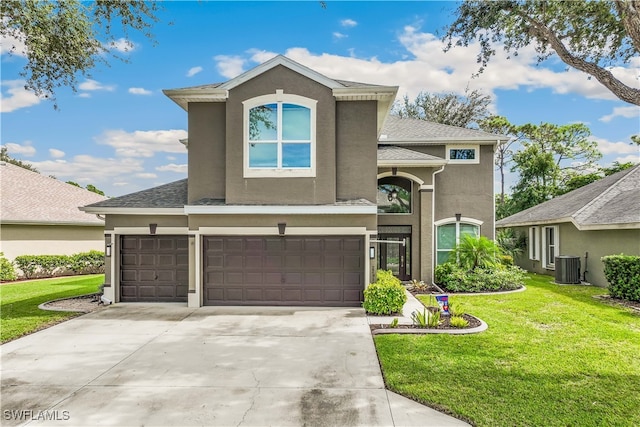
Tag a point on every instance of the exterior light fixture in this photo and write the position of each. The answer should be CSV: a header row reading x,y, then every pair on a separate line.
x,y
372,252
152,229
107,251
394,171
458,217
281,227
393,195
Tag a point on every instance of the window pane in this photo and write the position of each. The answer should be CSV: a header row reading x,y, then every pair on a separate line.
x,y
296,155
263,123
393,199
469,229
263,155
462,154
296,123
443,256
447,236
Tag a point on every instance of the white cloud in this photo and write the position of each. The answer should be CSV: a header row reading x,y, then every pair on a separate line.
x,y
628,112
93,85
339,36
18,97
143,143
121,45
120,184
348,23
229,66
619,148
88,169
84,95
193,71
139,91
146,175
172,167
25,149
171,158
631,158
55,153
13,45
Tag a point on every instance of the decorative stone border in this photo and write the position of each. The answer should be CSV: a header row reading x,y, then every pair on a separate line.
x,y
483,327
43,306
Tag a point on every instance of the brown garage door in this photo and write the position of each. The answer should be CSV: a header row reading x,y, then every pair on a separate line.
x,y
296,270
154,268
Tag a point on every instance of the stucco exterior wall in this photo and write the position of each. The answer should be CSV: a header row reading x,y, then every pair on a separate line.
x,y
234,221
144,221
320,189
18,240
590,244
207,127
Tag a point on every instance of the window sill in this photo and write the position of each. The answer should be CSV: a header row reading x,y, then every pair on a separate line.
x,y
279,173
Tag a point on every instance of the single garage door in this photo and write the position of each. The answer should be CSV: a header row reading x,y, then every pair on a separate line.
x,y
154,268
292,270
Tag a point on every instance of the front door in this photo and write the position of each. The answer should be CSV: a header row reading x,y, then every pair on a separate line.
x,y
394,255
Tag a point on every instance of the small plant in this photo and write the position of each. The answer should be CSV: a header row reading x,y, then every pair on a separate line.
x,y
394,323
419,286
433,321
386,296
458,322
420,319
456,309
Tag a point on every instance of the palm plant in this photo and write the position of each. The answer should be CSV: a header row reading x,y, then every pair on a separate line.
x,y
476,252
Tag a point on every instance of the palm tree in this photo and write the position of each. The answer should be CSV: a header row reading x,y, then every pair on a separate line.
x,y
473,252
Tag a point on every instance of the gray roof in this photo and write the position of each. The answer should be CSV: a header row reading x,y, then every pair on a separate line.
x,y
392,153
31,198
609,202
407,130
171,195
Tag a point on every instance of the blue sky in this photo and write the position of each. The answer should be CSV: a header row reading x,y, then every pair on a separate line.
x,y
120,133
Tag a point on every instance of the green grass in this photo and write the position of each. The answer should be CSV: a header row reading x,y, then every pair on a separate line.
x,y
19,312
552,356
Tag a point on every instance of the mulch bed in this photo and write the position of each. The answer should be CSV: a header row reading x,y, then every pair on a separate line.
x,y
83,303
444,324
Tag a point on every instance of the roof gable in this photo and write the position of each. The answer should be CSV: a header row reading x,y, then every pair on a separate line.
x,y
31,198
610,201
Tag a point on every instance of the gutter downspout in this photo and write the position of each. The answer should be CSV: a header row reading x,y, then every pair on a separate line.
x,y
433,234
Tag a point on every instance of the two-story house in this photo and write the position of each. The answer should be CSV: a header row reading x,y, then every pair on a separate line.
x,y
299,187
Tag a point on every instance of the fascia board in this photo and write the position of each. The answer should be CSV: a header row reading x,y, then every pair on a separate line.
x,y
371,92
280,210
183,97
440,140
67,223
132,211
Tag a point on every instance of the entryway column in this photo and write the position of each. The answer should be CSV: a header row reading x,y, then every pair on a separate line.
x,y
426,231
193,297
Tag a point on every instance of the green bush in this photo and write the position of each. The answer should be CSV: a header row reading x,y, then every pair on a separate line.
x,y
91,262
453,279
386,296
623,274
7,271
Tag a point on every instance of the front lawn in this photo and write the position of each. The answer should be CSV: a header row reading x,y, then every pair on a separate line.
x,y
19,312
552,356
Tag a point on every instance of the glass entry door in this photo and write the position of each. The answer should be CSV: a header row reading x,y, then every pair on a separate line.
x,y
394,256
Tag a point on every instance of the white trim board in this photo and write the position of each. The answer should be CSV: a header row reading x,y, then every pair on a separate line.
x,y
280,210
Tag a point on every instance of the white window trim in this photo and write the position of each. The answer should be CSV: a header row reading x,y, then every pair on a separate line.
x,y
278,97
448,221
475,147
534,249
550,264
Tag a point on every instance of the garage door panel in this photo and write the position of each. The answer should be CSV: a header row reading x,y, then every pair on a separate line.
x,y
289,270
154,268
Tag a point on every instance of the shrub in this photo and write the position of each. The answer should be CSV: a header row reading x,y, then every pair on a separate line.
x,y
386,296
623,274
454,279
476,252
7,271
458,322
91,262
41,265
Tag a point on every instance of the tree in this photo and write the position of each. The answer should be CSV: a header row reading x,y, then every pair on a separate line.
x,y
500,125
550,156
93,189
75,184
586,35
62,38
5,157
447,109
580,180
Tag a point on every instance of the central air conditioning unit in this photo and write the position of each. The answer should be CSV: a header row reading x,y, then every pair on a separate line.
x,y
567,269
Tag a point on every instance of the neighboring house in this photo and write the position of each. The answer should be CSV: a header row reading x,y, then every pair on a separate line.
x,y
39,215
599,219
294,179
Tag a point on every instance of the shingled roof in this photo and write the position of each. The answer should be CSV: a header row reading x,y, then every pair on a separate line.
x,y
31,198
613,201
408,130
171,195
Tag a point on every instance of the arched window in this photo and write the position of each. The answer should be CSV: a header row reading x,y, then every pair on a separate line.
x,y
279,136
394,195
448,235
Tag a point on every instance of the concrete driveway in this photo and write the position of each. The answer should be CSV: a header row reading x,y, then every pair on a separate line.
x,y
168,365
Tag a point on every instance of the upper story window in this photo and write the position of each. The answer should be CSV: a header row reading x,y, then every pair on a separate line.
x,y
279,136
463,153
394,195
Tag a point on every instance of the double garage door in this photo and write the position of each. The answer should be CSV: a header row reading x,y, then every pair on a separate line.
x,y
291,270
246,270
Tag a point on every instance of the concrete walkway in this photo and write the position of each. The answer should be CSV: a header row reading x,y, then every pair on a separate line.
x,y
169,365
409,307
